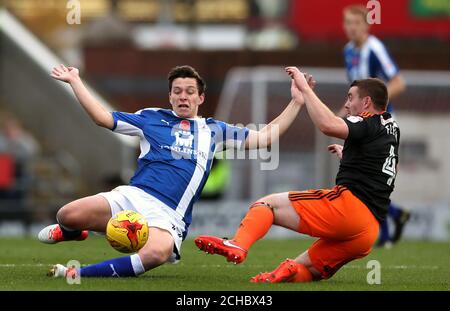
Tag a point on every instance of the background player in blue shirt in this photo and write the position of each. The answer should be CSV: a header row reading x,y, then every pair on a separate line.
x,y
177,149
366,57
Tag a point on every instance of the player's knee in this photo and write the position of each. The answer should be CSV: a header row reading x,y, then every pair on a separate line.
x,y
62,216
267,201
154,257
67,216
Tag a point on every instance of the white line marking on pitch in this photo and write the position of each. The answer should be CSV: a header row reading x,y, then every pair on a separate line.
x,y
9,265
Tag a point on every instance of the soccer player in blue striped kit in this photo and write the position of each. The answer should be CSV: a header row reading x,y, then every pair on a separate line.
x,y
177,150
366,57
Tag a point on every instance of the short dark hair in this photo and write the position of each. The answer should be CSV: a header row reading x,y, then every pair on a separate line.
x,y
374,88
186,72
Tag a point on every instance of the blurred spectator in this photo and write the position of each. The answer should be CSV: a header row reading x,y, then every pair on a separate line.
x,y
17,149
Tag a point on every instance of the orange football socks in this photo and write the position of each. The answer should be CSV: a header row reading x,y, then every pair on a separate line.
x,y
254,226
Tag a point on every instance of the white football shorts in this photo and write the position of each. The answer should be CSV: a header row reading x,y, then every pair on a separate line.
x,y
157,213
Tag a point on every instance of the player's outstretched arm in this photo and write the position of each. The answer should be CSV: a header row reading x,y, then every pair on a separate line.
x,y
95,110
324,119
272,131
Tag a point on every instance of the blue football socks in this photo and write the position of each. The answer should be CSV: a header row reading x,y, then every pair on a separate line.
x,y
117,267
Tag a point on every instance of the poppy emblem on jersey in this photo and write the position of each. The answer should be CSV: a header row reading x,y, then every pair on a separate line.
x,y
185,125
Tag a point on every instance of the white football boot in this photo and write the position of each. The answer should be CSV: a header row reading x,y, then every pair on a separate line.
x,y
53,234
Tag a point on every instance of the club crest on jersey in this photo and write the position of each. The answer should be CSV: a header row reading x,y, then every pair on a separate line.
x,y
183,135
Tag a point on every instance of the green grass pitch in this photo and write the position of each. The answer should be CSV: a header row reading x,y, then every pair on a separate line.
x,y
407,266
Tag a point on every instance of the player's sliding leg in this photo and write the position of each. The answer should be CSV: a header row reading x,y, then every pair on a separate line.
x,y
347,231
254,226
299,270
76,219
116,267
55,233
353,239
155,252
272,209
288,271
346,227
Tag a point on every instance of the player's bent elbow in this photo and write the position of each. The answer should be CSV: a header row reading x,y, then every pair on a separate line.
x,y
326,129
334,131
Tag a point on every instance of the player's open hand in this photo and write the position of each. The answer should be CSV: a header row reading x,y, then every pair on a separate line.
x,y
65,74
337,149
302,80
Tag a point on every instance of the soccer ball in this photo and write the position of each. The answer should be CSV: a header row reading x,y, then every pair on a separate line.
x,y
127,231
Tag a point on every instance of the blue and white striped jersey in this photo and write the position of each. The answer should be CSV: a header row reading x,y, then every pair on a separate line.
x,y
176,153
372,60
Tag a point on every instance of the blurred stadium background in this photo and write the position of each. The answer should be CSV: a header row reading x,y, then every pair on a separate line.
x,y
125,49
